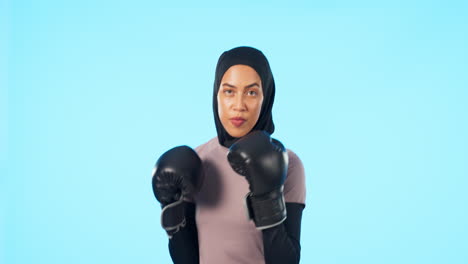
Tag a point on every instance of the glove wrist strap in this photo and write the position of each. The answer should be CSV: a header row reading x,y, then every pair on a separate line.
x,y
173,217
266,210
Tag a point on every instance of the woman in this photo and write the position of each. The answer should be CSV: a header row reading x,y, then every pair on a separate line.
x,y
239,197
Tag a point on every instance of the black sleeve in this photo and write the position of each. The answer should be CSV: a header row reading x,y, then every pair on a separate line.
x,y
183,246
282,243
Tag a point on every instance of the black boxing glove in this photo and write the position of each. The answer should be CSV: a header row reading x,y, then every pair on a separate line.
x,y
264,163
176,175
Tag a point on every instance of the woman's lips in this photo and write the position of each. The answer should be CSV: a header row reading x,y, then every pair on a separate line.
x,y
237,121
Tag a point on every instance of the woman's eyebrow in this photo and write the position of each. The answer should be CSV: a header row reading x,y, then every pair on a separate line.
x,y
229,85
252,85
247,86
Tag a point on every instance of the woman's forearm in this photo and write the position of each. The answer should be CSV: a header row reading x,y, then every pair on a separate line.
x,y
282,242
183,246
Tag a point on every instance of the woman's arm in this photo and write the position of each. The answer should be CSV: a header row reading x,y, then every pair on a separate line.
x,y
281,243
175,177
183,246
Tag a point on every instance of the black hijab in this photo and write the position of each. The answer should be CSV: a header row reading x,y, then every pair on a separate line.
x,y
254,58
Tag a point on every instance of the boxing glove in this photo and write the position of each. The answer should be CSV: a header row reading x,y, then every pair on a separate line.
x,y
176,175
263,161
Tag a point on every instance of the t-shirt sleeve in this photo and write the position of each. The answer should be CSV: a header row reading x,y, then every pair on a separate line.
x,y
198,150
294,186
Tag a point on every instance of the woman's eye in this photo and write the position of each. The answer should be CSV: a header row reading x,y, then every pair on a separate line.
x,y
253,93
228,92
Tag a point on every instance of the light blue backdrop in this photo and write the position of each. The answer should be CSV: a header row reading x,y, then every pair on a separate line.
x,y
372,97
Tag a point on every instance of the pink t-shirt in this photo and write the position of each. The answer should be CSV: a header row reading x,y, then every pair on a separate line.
x,y
225,234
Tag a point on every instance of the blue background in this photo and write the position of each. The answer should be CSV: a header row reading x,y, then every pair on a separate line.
x,y
372,97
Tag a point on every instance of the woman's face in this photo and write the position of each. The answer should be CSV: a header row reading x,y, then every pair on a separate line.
x,y
240,98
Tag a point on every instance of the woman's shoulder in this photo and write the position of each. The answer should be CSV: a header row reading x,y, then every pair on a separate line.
x,y
294,186
294,159
207,147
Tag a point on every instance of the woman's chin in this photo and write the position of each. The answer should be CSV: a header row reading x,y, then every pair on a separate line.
x,y
237,132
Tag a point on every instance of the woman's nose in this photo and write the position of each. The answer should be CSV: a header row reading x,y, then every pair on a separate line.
x,y
239,104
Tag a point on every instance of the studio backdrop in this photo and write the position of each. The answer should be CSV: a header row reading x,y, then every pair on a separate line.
x,y
372,97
